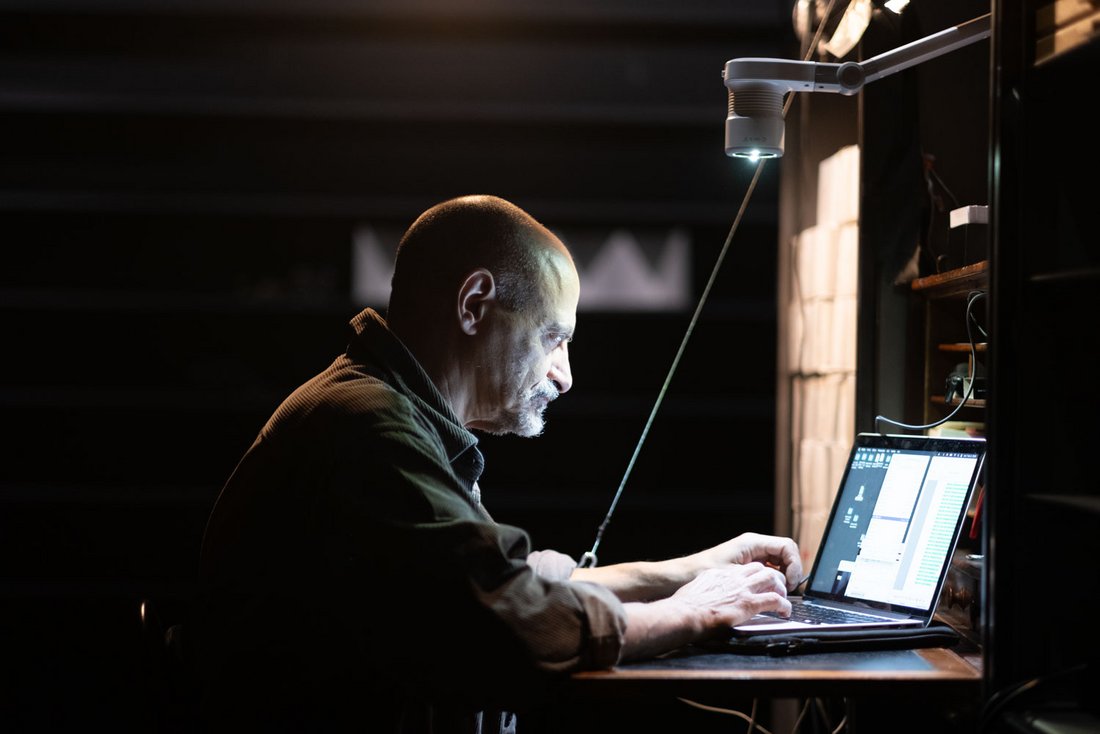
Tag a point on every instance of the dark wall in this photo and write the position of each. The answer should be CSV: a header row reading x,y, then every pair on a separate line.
x,y
179,188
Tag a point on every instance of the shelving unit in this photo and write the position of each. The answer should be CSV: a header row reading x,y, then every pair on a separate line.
x,y
915,272
1045,256
943,298
1040,272
1005,128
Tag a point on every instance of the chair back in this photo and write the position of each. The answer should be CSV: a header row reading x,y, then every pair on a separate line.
x,y
169,683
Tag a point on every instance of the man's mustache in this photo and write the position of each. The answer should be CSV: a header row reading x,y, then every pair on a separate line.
x,y
545,391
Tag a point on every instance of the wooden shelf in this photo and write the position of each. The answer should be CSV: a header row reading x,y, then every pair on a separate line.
x,y
1087,276
941,326
978,403
1076,502
954,282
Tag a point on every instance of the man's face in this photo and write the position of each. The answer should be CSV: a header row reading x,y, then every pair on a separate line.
x,y
528,365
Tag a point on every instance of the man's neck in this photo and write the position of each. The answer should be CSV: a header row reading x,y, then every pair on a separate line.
x,y
438,359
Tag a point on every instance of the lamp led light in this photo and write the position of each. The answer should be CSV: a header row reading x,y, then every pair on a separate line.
x,y
756,154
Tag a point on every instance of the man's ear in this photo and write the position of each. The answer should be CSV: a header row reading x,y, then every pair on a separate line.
x,y
475,297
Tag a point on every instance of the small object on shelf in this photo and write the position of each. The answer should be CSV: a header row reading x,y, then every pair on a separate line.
x,y
959,381
955,386
962,429
969,215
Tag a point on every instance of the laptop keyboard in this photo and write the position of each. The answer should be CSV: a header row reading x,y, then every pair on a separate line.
x,y
814,614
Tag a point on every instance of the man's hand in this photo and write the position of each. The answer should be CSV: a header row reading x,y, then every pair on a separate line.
x,y
730,595
708,605
770,550
648,580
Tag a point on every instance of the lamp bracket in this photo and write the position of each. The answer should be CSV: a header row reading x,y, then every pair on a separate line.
x,y
849,77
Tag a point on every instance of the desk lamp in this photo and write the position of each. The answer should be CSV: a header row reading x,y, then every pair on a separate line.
x,y
754,127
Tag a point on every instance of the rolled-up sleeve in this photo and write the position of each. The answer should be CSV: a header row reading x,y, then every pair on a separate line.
x,y
606,623
551,565
564,625
602,610
441,569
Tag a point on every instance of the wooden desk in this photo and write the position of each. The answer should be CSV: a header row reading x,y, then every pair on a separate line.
x,y
941,685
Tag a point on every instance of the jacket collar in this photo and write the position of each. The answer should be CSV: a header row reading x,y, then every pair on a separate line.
x,y
383,353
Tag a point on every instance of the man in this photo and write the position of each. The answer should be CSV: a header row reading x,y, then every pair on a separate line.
x,y
349,560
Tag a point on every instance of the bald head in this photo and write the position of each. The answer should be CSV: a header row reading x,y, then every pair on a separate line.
x,y
458,236
486,298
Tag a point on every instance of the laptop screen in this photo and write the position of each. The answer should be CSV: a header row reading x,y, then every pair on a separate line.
x,y
894,525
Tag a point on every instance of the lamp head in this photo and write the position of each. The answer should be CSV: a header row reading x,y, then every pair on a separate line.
x,y
754,123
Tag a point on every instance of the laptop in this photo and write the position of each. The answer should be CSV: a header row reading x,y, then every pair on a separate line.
x,y
887,546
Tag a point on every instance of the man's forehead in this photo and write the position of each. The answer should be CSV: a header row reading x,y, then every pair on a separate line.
x,y
559,275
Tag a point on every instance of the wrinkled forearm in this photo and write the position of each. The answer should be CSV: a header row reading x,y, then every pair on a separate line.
x,y
643,580
661,626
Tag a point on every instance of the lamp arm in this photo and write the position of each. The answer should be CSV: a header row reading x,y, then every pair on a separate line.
x,y
926,48
754,124
849,77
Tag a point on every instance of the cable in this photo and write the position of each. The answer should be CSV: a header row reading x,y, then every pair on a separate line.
x,y
1002,698
751,718
978,326
589,558
973,297
824,714
729,712
801,716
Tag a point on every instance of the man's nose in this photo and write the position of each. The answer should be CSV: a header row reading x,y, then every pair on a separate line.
x,y
559,373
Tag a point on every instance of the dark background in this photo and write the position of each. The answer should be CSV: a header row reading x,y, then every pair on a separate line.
x,y
179,187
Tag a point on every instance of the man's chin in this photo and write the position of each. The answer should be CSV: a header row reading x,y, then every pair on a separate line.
x,y
529,424
531,431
